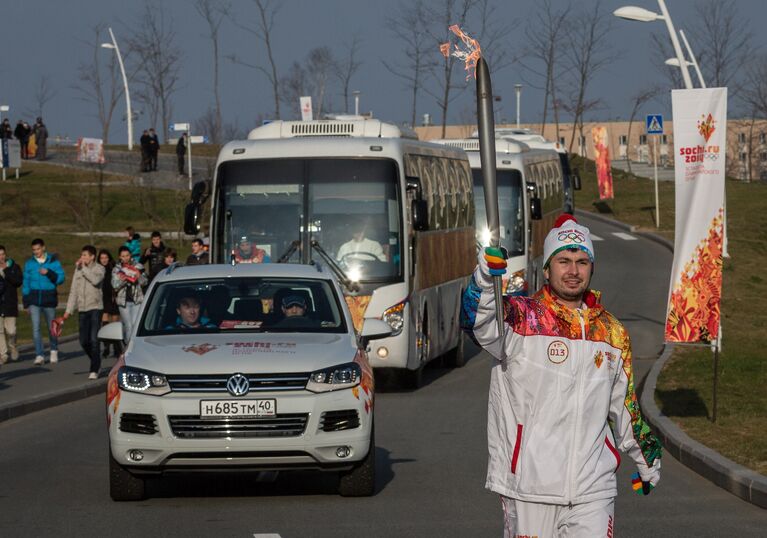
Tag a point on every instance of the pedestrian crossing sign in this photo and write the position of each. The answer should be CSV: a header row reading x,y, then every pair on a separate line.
x,y
654,124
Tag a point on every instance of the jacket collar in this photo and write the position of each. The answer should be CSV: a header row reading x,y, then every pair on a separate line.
x,y
591,299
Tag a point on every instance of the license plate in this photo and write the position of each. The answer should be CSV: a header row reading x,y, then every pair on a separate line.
x,y
238,408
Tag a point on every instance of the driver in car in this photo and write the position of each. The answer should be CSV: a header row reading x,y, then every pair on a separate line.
x,y
189,310
360,247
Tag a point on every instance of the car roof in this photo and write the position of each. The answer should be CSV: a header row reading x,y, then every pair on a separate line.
x,y
282,270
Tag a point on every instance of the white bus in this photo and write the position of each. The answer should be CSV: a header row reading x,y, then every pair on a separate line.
x,y
531,195
391,215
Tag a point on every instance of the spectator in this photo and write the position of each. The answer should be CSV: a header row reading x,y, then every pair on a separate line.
x,y
170,256
181,153
128,279
6,132
41,138
42,275
10,280
199,255
152,260
133,243
154,149
85,296
145,143
110,313
22,132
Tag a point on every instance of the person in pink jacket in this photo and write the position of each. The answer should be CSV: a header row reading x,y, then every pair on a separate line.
x,y
562,404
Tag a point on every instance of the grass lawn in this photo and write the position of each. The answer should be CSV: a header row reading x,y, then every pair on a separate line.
x,y
684,391
54,203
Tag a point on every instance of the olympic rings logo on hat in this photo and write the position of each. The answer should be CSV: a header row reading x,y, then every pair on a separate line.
x,y
571,236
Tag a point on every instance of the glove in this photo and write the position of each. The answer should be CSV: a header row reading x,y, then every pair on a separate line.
x,y
490,262
645,480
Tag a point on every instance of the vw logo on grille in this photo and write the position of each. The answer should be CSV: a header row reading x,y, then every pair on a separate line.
x,y
238,385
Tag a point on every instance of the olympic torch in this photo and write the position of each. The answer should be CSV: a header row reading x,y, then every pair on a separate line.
x,y
487,158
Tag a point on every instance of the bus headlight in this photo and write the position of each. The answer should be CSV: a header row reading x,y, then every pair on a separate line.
x,y
395,317
344,376
143,381
516,284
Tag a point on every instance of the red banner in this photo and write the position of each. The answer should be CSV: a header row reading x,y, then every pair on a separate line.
x,y
602,159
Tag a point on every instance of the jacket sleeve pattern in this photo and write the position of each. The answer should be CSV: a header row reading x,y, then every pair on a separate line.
x,y
478,317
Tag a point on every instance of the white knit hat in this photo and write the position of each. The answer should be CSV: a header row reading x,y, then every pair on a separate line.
x,y
567,234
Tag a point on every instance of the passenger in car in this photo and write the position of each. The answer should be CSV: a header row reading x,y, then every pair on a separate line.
x,y
294,311
189,310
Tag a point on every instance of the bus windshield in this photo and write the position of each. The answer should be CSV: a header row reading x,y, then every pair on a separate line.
x,y
350,207
510,208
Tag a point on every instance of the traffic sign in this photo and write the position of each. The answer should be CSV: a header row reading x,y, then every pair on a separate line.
x,y
198,139
178,127
654,124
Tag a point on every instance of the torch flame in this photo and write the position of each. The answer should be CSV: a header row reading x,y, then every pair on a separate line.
x,y
470,54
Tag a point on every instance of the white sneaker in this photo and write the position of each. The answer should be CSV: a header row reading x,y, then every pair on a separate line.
x,y
93,375
54,357
14,354
39,359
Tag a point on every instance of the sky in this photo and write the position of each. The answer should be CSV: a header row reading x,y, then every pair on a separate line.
x,y
45,38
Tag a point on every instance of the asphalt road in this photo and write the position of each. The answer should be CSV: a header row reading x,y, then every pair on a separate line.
x,y
430,456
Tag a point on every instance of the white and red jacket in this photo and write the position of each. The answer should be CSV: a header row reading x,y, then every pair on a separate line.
x,y
562,401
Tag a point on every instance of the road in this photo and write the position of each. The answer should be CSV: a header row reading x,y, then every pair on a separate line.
x,y
430,456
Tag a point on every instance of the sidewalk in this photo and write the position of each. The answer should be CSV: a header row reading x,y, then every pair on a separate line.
x,y
26,388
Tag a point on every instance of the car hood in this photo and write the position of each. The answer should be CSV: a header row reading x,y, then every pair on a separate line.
x,y
238,352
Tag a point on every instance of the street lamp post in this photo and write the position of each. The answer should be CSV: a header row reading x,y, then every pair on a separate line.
x,y
356,94
518,91
113,45
634,13
692,58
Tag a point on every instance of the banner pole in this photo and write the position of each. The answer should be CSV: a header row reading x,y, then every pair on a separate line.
x,y
716,381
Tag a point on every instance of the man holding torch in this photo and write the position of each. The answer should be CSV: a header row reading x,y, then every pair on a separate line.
x,y
562,402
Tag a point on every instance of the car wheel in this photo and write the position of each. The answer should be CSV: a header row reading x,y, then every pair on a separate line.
x,y
124,486
456,358
360,481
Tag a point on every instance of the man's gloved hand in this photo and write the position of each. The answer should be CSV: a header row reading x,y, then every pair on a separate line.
x,y
646,479
492,262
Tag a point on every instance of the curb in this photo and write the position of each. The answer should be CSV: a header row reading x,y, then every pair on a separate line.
x,y
52,399
63,340
725,473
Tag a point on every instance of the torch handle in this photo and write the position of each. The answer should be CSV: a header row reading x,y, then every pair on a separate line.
x,y
498,292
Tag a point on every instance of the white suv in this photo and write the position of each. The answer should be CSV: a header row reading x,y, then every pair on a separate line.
x,y
254,367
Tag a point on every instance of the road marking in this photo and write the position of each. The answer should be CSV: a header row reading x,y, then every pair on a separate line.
x,y
268,535
593,237
624,236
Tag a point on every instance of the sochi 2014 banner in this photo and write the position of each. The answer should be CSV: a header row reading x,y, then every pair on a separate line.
x,y
602,159
700,126
90,150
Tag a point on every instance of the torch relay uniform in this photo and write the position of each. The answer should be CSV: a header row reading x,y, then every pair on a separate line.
x,y
561,407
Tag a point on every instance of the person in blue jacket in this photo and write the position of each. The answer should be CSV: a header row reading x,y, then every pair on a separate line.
x,y
133,243
43,273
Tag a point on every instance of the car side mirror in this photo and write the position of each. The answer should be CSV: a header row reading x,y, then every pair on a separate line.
x,y
535,208
576,179
374,329
192,219
111,331
419,210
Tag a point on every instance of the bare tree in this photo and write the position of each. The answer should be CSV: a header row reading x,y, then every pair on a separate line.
x,y
441,16
344,69
99,81
417,47
661,51
545,37
43,94
753,97
638,100
319,66
590,50
492,35
728,40
294,85
262,29
214,12
159,63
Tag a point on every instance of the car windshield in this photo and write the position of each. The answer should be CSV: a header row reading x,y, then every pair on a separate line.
x,y
243,304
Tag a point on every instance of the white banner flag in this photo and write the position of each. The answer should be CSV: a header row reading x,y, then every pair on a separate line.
x,y
700,126
90,150
306,108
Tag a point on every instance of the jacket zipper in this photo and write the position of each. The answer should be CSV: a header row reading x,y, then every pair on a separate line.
x,y
579,373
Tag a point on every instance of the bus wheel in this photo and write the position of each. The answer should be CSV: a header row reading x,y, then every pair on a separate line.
x,y
456,357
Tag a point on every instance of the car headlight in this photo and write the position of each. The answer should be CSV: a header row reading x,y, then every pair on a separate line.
x,y
344,376
142,381
395,317
516,284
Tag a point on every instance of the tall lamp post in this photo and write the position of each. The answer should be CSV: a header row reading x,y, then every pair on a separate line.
x,y
518,90
634,13
113,45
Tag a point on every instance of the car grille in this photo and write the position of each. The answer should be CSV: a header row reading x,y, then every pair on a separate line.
x,y
194,427
334,421
138,423
217,382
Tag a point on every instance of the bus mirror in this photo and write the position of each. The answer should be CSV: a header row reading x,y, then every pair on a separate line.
x,y
414,184
535,208
192,219
576,179
198,191
419,212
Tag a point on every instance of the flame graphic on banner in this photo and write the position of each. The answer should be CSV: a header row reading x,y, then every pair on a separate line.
x,y
694,307
470,55
706,126
602,160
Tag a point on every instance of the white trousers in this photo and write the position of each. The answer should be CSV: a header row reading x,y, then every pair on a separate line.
x,y
536,520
